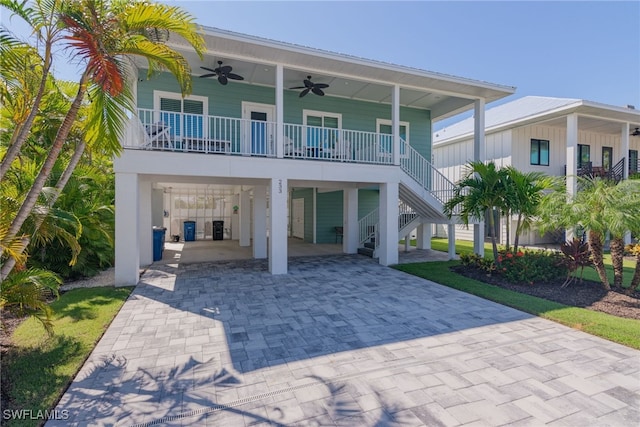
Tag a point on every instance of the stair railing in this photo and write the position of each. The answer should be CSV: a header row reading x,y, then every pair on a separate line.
x,y
617,171
425,174
406,214
368,226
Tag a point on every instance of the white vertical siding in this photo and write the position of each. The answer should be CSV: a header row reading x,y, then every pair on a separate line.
x,y
451,159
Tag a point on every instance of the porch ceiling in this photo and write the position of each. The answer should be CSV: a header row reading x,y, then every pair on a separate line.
x,y
350,77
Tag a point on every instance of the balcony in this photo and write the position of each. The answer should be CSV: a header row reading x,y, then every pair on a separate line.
x,y
197,133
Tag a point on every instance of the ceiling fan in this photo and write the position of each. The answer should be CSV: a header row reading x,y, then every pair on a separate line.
x,y
310,86
636,132
223,73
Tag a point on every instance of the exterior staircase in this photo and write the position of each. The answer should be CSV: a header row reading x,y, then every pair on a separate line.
x,y
423,191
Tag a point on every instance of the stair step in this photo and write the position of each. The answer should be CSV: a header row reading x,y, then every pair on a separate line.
x,y
366,251
370,245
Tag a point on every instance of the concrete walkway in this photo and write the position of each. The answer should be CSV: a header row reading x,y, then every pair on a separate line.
x,y
341,340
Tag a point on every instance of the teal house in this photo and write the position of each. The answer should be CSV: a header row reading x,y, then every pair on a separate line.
x,y
279,141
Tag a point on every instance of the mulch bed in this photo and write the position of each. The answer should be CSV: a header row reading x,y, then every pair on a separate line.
x,y
585,294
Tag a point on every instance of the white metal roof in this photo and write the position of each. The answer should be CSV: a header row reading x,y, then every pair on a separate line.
x,y
552,111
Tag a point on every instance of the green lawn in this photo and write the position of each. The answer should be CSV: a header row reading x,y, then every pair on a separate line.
x,y
40,367
623,331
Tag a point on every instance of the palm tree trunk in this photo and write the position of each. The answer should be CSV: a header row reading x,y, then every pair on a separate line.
x,y
507,217
595,244
635,281
516,238
32,197
20,133
492,229
617,256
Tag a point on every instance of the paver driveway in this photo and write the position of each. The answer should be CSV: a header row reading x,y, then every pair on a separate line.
x,y
341,340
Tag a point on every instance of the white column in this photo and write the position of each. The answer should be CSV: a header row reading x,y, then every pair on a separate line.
x,y
279,111
572,162
407,242
315,215
452,241
395,124
245,218
126,235
624,140
479,155
145,231
278,226
351,233
388,228
260,221
423,239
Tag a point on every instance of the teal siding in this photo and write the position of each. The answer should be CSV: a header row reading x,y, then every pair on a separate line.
x,y
356,115
367,202
330,211
329,216
307,195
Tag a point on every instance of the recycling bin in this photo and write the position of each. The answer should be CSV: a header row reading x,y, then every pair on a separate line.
x,y
189,231
218,230
158,243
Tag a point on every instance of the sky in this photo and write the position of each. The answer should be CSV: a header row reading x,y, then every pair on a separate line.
x,y
565,49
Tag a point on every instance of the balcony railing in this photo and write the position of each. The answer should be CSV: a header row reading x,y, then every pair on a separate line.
x,y
168,131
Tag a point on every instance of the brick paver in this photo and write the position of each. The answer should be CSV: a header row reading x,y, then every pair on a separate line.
x,y
341,340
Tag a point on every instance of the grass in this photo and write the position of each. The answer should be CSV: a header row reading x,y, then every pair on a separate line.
x,y
39,368
616,329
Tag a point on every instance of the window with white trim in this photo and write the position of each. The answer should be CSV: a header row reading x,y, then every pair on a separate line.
x,y
185,116
320,128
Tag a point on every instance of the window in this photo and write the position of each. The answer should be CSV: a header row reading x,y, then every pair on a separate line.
x,y
385,128
185,116
540,152
584,155
320,132
633,161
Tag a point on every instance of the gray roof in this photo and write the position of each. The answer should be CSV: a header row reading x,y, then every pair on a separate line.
x,y
514,111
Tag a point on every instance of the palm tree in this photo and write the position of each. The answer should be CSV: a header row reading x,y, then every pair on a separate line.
x,y
598,207
42,18
104,33
480,190
523,194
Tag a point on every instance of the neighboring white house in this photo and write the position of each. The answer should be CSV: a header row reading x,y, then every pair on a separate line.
x,y
271,163
557,136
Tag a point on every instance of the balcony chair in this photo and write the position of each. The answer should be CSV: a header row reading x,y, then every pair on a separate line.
x,y
158,135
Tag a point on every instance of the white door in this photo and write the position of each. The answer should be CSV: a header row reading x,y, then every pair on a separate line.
x,y
297,228
259,128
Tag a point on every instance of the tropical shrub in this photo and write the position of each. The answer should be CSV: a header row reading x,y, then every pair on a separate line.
x,y
25,292
576,255
530,267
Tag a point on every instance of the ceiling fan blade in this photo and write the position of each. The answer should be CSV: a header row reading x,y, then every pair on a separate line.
x,y
223,80
208,69
321,85
304,92
234,76
209,75
308,83
298,87
225,69
317,91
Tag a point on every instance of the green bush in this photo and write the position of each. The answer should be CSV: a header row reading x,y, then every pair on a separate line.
x,y
522,267
530,267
